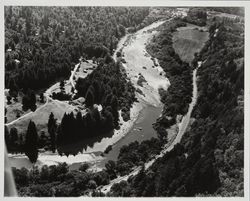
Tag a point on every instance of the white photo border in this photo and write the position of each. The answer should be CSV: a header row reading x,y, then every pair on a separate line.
x,y
150,3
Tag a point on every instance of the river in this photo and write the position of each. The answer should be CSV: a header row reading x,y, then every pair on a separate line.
x,y
182,126
143,113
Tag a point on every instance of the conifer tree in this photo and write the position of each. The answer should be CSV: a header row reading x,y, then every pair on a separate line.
x,y
41,98
31,142
62,86
79,124
32,100
9,100
52,131
25,102
89,98
7,136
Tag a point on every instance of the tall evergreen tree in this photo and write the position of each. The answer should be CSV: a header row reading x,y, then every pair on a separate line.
x,y
114,103
89,98
31,142
52,131
25,102
7,136
9,100
13,136
62,86
32,100
41,98
97,88
79,124
5,117
109,122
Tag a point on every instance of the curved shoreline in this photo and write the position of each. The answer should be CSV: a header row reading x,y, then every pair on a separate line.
x,y
151,89
182,126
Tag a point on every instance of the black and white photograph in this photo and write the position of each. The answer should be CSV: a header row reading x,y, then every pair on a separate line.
x,y
124,101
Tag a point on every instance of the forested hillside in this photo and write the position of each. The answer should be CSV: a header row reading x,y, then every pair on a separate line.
x,y
210,158
42,43
106,86
41,46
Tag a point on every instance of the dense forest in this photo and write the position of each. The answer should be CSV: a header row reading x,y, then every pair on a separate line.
x,y
41,48
107,86
42,43
197,16
133,154
210,158
58,181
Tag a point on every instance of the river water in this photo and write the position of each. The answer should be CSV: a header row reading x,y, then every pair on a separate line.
x,y
144,113
141,130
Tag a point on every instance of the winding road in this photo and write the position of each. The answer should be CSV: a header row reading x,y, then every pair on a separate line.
x,y
170,145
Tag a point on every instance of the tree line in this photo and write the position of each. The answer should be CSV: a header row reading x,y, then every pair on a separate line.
x,y
58,181
178,95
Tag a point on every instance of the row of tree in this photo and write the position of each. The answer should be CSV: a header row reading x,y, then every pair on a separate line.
x,y
73,129
29,101
58,181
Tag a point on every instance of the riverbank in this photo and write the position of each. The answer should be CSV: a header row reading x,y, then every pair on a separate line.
x,y
133,45
177,130
139,63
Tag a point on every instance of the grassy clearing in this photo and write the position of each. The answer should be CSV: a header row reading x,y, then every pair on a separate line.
x,y
85,69
189,40
40,117
14,110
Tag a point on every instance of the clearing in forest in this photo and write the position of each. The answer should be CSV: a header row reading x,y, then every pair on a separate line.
x,y
58,108
41,116
189,40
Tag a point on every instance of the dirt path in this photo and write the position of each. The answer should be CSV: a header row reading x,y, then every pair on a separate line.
x,y
47,96
16,120
73,74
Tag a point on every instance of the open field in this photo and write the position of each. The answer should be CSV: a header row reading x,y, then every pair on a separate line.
x,y
14,110
84,69
58,108
40,117
189,40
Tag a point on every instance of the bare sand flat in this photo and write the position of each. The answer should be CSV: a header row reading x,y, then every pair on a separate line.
x,y
139,63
